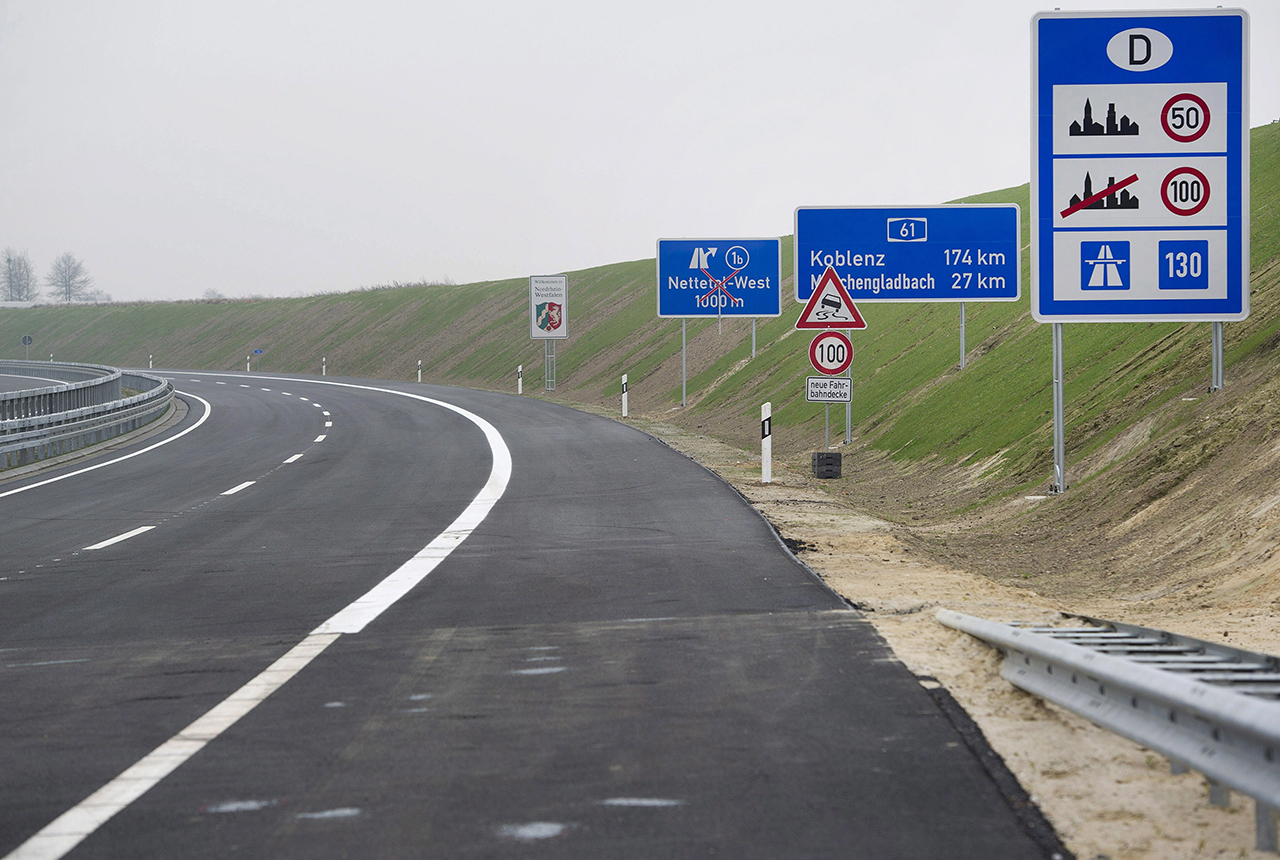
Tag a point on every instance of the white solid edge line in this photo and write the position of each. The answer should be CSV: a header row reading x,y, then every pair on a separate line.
x,y
207,410
106,543
238,487
72,827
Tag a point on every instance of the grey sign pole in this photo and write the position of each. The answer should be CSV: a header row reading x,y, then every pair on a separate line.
x,y
962,349
684,385
848,412
1059,429
753,337
1216,385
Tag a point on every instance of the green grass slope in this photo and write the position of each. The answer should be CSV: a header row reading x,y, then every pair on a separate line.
x,y
912,401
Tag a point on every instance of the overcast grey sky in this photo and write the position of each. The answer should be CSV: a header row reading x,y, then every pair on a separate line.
x,y
297,147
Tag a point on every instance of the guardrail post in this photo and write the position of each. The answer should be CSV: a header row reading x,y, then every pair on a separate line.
x,y
1268,839
1219,794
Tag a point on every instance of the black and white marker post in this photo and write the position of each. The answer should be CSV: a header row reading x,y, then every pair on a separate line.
x,y
766,443
624,395
324,365
519,379
419,370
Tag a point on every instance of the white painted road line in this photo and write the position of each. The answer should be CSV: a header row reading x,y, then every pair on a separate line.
x,y
320,438
118,538
238,487
71,828
207,410
328,423
326,412
295,458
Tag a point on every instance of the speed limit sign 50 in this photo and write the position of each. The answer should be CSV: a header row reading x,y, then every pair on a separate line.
x,y
831,352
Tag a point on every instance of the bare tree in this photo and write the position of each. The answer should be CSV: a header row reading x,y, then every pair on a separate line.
x,y
18,278
67,279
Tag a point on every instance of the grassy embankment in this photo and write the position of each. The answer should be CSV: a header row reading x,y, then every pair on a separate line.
x,y
912,402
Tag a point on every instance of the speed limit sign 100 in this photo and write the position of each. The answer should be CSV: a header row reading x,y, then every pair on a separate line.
x,y
831,352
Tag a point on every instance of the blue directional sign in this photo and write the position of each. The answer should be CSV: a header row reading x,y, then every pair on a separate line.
x,y
719,277
1140,181
963,253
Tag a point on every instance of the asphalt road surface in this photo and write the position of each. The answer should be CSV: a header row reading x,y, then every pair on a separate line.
x,y
12,382
553,637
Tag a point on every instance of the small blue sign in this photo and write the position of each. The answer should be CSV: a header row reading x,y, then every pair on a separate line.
x,y
257,352
1184,265
960,253
1104,265
719,277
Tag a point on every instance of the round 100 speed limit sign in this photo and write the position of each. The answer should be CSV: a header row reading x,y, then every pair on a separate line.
x,y
831,352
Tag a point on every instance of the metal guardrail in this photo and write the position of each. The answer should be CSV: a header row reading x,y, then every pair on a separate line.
x,y
1207,707
88,407
82,385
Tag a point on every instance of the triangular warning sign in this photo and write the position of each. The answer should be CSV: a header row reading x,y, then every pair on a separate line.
x,y
830,306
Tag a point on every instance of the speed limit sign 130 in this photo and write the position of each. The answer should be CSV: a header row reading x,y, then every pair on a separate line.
x,y
831,352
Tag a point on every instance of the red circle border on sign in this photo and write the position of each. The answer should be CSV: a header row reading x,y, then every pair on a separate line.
x,y
1164,118
1164,191
813,350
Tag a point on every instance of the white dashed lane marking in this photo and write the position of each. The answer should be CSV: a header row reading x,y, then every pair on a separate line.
x,y
106,543
295,458
320,438
238,487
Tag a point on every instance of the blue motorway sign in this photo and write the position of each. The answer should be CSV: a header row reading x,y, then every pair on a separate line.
x,y
719,277
1139,188
962,253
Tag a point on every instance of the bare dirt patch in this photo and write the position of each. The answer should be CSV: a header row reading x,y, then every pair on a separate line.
x,y
1106,796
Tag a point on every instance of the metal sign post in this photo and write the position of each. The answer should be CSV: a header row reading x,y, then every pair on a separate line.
x,y
1059,424
848,410
27,340
1216,383
962,349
